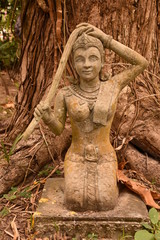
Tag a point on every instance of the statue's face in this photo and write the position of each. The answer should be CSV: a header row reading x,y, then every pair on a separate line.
x,y
87,63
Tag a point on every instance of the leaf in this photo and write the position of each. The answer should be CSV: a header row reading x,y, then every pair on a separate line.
x,y
143,235
8,52
138,188
157,235
43,200
9,105
18,138
58,172
153,215
5,152
13,189
147,226
92,236
155,195
4,212
25,194
72,213
37,214
9,197
4,46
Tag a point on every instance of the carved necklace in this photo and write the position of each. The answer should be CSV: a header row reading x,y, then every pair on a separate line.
x,y
90,96
90,89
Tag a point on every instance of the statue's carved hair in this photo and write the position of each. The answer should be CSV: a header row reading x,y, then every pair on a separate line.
x,y
85,41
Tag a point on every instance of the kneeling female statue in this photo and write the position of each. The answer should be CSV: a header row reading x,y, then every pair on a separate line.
x,y
90,163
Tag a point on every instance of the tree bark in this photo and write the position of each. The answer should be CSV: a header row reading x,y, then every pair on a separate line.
x,y
133,23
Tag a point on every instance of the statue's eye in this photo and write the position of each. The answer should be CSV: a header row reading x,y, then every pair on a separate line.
x,y
79,59
93,58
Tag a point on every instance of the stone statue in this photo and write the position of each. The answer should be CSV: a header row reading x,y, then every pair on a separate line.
x,y
90,163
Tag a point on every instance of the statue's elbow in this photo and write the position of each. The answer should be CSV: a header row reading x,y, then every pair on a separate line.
x,y
145,64
58,131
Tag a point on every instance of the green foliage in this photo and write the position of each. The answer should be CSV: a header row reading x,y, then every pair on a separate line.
x,y
9,11
11,195
58,172
152,230
154,216
124,236
92,236
144,234
8,52
7,153
25,193
45,171
14,194
56,227
6,156
5,211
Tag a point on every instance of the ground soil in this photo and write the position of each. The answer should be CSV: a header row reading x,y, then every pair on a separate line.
x,y
8,90
17,207
15,214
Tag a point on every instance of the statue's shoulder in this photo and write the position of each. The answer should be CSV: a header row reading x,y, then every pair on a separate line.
x,y
66,91
109,82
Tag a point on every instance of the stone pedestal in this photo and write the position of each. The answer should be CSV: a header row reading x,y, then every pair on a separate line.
x,y
52,215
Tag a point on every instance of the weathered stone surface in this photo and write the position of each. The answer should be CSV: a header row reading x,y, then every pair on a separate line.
x,y
52,215
90,164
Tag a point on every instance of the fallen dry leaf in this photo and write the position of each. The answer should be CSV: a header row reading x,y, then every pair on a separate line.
x,y
155,195
8,105
146,194
43,200
15,231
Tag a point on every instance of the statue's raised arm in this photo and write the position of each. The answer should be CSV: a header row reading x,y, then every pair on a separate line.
x,y
139,63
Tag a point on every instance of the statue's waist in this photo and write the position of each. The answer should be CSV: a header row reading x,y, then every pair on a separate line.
x,y
79,144
90,153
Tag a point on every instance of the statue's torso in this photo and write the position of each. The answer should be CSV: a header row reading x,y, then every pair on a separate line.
x,y
85,131
90,163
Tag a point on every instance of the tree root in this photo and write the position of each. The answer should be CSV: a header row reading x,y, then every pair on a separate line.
x,y
30,158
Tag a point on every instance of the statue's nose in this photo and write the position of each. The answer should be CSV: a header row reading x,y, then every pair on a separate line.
x,y
87,63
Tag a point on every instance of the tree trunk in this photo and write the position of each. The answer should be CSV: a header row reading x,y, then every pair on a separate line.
x,y
135,23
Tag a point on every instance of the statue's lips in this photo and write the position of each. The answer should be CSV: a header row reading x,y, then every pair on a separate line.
x,y
87,72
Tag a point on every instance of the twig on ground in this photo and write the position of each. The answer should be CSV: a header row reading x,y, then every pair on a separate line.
x,y
15,231
26,174
45,140
8,233
53,171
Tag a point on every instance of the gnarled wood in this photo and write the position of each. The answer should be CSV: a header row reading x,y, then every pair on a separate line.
x,y
30,158
144,164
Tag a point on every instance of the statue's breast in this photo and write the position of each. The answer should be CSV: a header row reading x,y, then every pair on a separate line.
x,y
77,108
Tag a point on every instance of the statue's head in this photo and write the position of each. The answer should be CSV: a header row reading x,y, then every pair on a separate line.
x,y
88,52
85,41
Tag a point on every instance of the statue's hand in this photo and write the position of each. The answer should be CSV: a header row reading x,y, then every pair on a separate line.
x,y
95,32
43,111
81,28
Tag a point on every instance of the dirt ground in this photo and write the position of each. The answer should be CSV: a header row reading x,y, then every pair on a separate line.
x,y
15,208
8,90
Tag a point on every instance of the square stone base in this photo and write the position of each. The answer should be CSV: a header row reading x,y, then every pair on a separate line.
x,y
52,215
